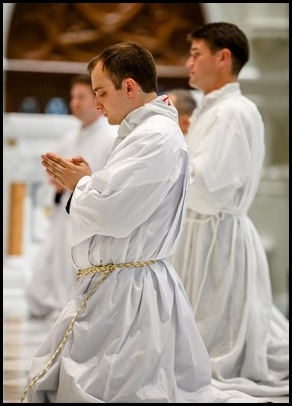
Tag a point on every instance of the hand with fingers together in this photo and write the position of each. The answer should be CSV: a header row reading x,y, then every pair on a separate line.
x,y
66,172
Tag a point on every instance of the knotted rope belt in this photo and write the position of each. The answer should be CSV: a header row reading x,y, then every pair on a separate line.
x,y
104,270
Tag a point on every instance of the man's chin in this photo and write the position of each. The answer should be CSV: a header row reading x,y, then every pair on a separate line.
x,y
192,83
111,121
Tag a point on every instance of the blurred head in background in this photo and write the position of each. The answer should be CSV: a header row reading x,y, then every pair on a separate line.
x,y
185,103
82,100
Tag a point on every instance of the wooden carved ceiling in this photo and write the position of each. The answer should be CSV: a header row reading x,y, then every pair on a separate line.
x,y
79,31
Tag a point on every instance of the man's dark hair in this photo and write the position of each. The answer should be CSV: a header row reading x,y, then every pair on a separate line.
x,y
128,60
225,35
84,79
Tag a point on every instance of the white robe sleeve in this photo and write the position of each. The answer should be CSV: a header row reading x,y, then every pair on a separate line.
x,y
116,200
219,164
223,157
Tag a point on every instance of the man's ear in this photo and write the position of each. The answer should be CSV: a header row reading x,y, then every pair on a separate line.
x,y
130,86
184,122
225,55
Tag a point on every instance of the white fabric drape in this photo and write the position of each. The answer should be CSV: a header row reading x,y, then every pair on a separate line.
x,y
136,339
220,259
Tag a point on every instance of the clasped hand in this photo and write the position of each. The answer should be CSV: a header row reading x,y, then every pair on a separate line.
x,y
66,172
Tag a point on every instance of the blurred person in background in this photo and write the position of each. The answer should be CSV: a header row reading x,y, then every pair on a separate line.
x,y
220,258
53,273
185,104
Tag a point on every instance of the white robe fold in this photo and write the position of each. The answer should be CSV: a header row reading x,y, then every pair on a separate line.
x,y
136,339
220,259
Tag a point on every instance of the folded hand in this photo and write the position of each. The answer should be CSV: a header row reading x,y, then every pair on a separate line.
x,y
66,172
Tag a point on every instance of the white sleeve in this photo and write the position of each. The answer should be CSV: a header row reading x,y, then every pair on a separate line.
x,y
117,199
222,158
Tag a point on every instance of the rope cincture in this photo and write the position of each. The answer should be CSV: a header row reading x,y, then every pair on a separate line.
x,y
105,270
